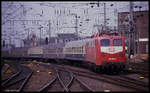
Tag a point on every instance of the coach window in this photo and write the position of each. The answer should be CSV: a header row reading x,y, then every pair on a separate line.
x,y
76,49
117,42
80,49
68,49
105,42
72,49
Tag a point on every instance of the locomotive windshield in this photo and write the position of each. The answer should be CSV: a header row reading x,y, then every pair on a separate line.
x,y
117,42
105,42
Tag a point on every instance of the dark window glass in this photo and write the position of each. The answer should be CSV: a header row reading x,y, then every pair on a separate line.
x,y
117,42
105,42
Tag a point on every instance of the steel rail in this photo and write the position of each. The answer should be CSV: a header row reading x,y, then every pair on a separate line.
x,y
61,82
85,85
11,77
13,82
25,81
120,84
5,68
71,80
131,80
48,84
104,79
137,81
125,80
74,77
18,79
140,83
71,75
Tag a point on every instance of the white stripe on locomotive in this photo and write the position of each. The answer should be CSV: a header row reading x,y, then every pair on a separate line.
x,y
111,49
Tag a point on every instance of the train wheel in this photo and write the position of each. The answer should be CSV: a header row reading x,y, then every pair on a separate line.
x,y
96,69
92,68
79,65
105,70
101,69
85,65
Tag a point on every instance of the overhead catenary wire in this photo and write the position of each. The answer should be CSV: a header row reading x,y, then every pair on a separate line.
x,y
12,13
7,8
67,4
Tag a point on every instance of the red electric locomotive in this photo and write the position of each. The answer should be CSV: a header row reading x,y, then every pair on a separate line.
x,y
108,53
103,51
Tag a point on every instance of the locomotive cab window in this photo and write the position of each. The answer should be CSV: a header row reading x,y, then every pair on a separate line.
x,y
117,42
105,42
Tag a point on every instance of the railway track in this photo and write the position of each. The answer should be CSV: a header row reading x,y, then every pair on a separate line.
x,y
140,68
120,80
10,72
4,68
17,81
117,80
67,81
142,64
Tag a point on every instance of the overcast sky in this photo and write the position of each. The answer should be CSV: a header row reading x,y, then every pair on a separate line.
x,y
47,11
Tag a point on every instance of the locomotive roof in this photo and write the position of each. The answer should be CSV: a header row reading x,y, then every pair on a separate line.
x,y
77,43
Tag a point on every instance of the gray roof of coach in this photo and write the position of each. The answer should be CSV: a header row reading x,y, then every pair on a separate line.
x,y
52,46
58,45
78,43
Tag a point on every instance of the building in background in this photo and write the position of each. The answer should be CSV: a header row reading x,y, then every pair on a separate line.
x,y
31,41
141,21
19,19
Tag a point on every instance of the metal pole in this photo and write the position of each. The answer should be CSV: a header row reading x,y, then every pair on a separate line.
x,y
13,25
76,24
12,32
40,35
115,15
24,12
9,41
135,40
129,34
131,30
28,33
138,45
3,43
105,16
49,29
